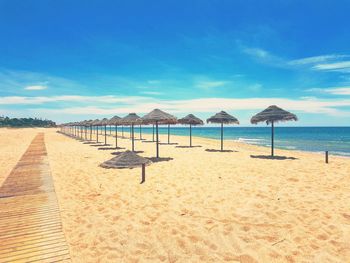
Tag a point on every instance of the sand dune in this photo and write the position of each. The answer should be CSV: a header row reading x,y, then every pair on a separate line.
x,y
198,207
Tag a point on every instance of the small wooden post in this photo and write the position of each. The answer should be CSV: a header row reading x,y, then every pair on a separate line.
x,y
326,156
143,179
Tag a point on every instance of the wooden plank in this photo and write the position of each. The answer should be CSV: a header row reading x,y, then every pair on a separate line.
x,y
30,223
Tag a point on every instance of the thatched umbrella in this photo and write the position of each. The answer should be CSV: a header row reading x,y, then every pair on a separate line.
x,y
158,117
273,114
128,159
131,119
115,121
222,117
190,119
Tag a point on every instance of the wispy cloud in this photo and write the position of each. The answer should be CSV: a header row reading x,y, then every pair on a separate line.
x,y
257,52
327,62
97,105
336,66
332,91
332,62
317,59
151,92
211,84
36,87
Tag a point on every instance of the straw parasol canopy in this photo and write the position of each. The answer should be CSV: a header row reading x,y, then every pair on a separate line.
x,y
222,117
190,119
131,119
114,120
158,117
273,114
128,159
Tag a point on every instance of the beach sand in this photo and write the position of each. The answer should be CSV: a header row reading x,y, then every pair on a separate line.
x,y
198,207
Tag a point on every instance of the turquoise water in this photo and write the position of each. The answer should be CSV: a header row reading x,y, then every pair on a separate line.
x,y
336,140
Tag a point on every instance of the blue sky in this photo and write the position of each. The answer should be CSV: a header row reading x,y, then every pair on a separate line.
x,y
74,60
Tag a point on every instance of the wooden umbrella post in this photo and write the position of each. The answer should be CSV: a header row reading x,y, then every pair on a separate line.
x,y
153,132
326,156
123,131
190,135
168,133
143,178
222,136
132,138
97,134
272,138
105,134
157,138
116,136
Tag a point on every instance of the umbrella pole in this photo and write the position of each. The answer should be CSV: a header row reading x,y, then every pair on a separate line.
x,y
110,129
168,133
90,132
116,136
130,132
153,133
122,131
272,138
97,134
222,136
143,179
190,135
132,138
105,134
140,133
157,136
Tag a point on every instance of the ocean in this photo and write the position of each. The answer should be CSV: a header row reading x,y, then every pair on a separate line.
x,y
336,140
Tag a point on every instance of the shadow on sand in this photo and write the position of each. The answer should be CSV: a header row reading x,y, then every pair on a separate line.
x,y
117,153
221,151
171,143
184,146
160,159
110,148
269,157
148,141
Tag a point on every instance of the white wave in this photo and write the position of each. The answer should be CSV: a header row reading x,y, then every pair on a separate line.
x,y
290,147
247,140
340,153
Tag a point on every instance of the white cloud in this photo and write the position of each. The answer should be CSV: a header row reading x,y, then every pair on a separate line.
x,y
343,65
98,106
256,52
151,92
36,87
316,59
210,84
332,90
339,91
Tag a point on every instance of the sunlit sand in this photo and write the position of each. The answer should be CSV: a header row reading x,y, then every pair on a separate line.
x,y
198,206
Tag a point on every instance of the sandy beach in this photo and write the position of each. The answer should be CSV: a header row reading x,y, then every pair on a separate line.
x,y
197,207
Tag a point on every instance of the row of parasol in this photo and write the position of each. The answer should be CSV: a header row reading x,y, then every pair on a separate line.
x,y
271,115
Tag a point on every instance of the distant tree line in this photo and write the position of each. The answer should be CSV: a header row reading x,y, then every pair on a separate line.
x,y
25,122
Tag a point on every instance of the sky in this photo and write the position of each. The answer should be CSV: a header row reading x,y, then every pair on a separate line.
x,y
75,60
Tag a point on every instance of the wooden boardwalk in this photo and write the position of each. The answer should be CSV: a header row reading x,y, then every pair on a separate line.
x,y
30,223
